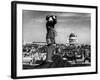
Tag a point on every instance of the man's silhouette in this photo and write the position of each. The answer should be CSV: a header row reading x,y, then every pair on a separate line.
x,y
50,36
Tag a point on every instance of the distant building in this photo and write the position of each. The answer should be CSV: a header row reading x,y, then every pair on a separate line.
x,y
39,43
72,39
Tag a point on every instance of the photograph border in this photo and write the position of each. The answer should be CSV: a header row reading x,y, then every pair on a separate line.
x,y
14,38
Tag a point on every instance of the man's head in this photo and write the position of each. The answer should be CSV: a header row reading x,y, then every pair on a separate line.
x,y
51,18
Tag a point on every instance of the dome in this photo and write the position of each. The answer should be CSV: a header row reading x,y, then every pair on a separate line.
x,y
72,35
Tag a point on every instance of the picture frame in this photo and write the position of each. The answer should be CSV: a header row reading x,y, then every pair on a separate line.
x,y
34,14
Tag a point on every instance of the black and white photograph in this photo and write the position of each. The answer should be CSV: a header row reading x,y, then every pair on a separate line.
x,y
56,39
53,39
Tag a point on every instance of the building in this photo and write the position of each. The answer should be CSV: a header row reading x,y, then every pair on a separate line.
x,y
39,43
72,39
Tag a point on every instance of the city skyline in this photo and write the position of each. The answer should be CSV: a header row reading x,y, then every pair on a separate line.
x,y
34,26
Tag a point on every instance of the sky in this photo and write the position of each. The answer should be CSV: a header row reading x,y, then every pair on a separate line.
x,y
34,26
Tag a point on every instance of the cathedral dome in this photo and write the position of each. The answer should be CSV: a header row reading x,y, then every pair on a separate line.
x,y
72,35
